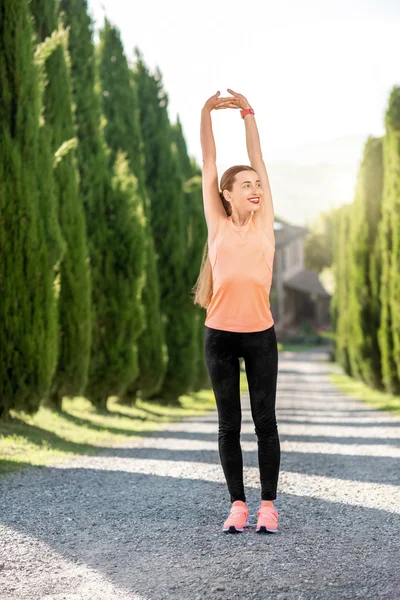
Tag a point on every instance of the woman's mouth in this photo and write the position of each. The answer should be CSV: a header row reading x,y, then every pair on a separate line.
x,y
254,199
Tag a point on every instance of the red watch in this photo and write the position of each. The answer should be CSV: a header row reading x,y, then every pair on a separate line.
x,y
247,111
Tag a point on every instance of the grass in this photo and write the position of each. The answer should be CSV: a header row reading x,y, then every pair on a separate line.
x,y
358,389
49,436
286,347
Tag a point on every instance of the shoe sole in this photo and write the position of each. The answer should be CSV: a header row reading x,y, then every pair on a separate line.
x,y
263,529
233,529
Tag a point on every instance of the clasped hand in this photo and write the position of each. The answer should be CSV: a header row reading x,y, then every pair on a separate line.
x,y
235,101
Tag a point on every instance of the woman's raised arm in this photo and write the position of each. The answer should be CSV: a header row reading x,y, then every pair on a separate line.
x,y
206,132
208,148
213,208
265,214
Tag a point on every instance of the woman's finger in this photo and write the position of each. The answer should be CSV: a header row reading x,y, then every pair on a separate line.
x,y
213,97
224,98
226,106
228,100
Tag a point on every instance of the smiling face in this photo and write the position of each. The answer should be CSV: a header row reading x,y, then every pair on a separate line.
x,y
247,187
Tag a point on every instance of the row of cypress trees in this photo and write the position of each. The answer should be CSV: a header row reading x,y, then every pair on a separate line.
x,y
366,262
101,221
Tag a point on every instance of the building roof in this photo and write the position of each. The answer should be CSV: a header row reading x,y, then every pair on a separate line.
x,y
308,282
285,233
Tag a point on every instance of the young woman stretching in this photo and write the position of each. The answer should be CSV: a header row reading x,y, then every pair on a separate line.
x,y
234,285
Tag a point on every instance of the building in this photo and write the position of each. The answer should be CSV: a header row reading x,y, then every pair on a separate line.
x,y
297,294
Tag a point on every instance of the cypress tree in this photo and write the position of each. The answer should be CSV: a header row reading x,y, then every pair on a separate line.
x,y
75,286
340,314
111,209
389,331
30,239
375,278
195,238
122,132
333,306
124,274
164,182
363,348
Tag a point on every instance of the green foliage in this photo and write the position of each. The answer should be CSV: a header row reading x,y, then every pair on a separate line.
x,y
365,308
101,221
340,315
318,243
122,132
64,149
363,300
164,180
30,241
123,276
389,331
113,221
74,303
195,238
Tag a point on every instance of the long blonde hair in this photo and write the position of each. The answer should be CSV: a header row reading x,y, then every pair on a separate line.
x,y
203,288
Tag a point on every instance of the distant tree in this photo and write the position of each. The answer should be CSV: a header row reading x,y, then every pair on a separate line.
x,y
363,300
113,224
339,313
389,331
318,243
122,132
164,182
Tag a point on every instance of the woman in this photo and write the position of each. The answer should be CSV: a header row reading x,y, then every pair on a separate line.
x,y
234,286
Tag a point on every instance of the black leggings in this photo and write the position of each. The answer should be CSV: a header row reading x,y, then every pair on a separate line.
x,y
222,350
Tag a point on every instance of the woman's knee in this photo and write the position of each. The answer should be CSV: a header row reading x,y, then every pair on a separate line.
x,y
266,427
230,429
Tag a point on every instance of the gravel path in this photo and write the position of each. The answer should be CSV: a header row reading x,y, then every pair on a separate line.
x,y
143,521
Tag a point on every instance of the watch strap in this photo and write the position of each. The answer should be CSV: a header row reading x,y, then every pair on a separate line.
x,y
246,111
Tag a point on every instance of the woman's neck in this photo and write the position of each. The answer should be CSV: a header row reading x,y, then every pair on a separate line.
x,y
236,220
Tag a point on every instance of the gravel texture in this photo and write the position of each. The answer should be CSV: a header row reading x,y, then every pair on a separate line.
x,y
143,520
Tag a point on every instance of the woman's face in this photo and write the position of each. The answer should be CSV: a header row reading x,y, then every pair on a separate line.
x,y
247,187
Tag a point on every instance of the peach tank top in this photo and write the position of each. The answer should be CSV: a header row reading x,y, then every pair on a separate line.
x,y
242,261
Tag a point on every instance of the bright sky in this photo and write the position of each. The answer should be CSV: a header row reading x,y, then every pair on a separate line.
x,y
312,70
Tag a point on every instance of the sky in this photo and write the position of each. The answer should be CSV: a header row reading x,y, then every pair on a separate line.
x,y
313,71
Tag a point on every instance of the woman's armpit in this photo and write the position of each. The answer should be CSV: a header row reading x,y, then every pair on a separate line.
x,y
215,229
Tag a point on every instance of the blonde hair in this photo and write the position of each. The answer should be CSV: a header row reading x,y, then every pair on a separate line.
x,y
203,288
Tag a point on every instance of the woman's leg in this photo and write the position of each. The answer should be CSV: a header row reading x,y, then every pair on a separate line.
x,y
223,367
260,352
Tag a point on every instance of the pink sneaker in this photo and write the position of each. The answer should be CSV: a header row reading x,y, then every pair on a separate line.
x,y
238,517
267,517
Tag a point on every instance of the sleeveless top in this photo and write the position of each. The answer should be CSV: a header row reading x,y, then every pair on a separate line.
x,y
242,261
